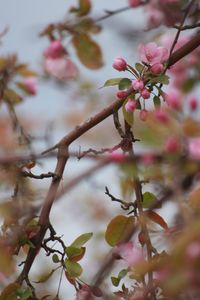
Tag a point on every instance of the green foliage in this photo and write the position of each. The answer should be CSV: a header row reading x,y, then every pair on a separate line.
x,y
82,239
83,9
148,199
118,229
124,84
116,280
73,269
112,82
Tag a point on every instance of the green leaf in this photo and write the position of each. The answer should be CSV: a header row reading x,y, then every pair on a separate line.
x,y
10,292
115,281
45,277
122,273
112,82
124,84
24,293
73,269
156,101
55,258
164,79
128,116
148,199
11,96
87,51
139,67
81,240
119,228
75,254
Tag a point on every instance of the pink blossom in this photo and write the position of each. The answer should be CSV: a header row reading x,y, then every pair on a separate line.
x,y
30,85
145,93
193,250
152,54
161,115
130,253
119,64
143,114
122,94
148,159
61,68
134,3
130,106
171,144
157,68
138,84
194,148
83,293
55,50
193,103
154,16
117,156
173,99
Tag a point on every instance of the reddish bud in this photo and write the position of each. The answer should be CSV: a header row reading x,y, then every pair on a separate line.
x,y
119,64
138,84
157,68
193,103
130,105
122,94
134,3
145,93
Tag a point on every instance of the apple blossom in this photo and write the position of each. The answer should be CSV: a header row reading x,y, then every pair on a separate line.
x,y
152,54
55,50
130,106
134,3
117,156
61,68
130,253
119,64
122,94
193,103
194,148
171,145
193,250
173,99
145,93
161,115
137,84
30,85
157,68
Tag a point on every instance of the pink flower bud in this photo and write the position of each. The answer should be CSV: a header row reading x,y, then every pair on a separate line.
x,y
55,50
171,145
30,85
122,94
119,64
173,99
193,250
148,159
143,114
145,93
157,68
138,84
193,103
134,3
130,105
130,253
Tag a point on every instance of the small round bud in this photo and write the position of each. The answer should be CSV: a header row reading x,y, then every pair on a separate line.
x,y
145,94
119,64
122,94
130,105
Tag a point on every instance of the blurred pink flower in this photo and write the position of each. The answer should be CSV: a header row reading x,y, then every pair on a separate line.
x,y
61,68
194,148
193,250
161,115
138,84
143,114
157,68
173,99
171,145
30,84
193,103
55,50
130,253
145,93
